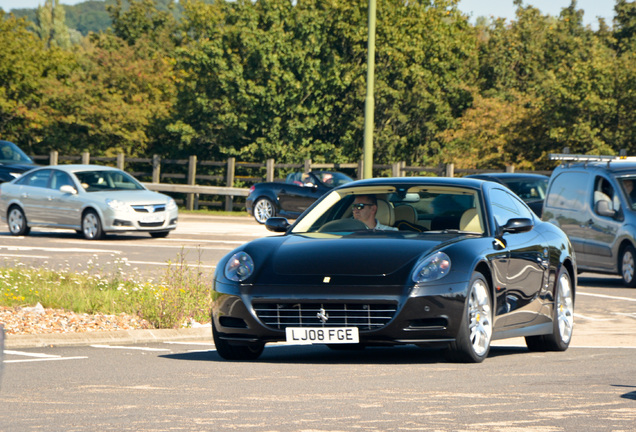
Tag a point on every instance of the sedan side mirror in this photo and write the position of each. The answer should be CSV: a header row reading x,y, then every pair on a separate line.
x,y
68,190
277,224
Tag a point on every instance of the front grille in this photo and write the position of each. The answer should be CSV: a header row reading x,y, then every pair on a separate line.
x,y
152,208
363,316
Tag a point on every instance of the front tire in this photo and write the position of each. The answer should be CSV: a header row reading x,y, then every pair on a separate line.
x,y
17,222
628,266
562,319
92,226
235,352
472,344
263,210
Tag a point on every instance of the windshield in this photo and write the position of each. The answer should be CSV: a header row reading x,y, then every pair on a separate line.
x,y
387,208
11,153
529,190
98,181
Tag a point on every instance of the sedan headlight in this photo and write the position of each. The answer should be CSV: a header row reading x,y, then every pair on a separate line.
x,y
171,205
116,204
431,268
239,267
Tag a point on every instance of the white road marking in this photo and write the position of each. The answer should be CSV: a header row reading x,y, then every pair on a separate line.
x,y
576,315
606,296
44,359
166,264
189,343
28,354
56,250
38,357
129,347
6,255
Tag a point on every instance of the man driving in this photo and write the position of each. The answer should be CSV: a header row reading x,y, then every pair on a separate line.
x,y
365,208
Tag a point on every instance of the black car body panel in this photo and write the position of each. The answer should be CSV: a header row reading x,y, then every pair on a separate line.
x,y
292,197
13,161
311,277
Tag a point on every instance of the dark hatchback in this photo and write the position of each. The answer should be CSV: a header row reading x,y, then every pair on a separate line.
x,y
497,271
13,161
531,188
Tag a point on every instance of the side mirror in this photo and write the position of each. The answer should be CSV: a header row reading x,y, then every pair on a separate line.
x,y
277,224
517,225
68,190
603,208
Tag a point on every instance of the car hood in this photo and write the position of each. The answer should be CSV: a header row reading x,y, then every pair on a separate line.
x,y
130,197
307,255
18,167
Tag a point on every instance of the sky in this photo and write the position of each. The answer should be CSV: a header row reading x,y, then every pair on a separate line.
x,y
474,8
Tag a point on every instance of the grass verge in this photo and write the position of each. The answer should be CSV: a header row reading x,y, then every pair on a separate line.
x,y
180,296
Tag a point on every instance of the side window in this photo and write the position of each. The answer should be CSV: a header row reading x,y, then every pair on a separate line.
x,y
37,179
60,179
568,191
506,206
603,191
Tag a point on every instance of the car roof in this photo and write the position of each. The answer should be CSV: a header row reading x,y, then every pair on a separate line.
x,y
72,168
614,166
507,176
415,181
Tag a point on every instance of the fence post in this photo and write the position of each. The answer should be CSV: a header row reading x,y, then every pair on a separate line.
x,y
231,164
53,157
192,176
360,173
307,165
395,169
510,168
450,170
120,161
269,166
156,168
86,158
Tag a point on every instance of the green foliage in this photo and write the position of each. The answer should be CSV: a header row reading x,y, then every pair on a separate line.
x,y
286,80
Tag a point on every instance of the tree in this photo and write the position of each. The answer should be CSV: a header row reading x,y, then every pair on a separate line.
x,y
51,24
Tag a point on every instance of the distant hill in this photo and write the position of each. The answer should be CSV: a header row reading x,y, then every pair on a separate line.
x,y
91,15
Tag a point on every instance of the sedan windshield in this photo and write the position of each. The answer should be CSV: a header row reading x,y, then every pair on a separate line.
x,y
98,181
10,153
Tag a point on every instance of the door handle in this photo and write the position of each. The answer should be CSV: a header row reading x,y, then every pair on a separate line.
x,y
25,195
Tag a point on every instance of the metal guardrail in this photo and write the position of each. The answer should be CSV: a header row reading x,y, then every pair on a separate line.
x,y
210,190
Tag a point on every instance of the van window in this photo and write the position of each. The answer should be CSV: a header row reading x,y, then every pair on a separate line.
x,y
568,191
603,191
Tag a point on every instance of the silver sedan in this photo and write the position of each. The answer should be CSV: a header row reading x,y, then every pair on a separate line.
x,y
91,199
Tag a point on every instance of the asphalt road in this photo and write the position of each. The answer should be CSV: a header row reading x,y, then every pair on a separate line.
x,y
174,384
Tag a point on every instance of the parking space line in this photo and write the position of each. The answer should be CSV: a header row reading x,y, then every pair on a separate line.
x,y
606,296
43,359
28,354
129,348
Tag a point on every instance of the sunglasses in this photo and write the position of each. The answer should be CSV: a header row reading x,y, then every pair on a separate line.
x,y
360,206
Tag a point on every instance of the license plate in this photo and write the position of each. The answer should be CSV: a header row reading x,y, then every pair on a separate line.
x,y
322,335
151,218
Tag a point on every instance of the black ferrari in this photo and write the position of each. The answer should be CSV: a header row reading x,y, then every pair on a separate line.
x,y
291,197
449,263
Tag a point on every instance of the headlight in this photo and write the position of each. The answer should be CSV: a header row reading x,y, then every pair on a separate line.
x,y
239,267
116,204
171,205
432,268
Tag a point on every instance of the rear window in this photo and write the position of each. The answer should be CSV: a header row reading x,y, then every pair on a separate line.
x,y
568,191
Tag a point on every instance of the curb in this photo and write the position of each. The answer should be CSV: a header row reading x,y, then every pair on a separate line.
x,y
118,336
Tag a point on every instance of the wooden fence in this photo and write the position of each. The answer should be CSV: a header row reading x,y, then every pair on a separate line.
x,y
215,179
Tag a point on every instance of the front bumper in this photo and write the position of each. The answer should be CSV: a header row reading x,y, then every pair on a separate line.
x,y
390,316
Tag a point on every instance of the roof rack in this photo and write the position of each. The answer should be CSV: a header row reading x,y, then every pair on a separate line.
x,y
566,157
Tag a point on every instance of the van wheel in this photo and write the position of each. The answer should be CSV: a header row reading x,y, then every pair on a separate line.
x,y
627,266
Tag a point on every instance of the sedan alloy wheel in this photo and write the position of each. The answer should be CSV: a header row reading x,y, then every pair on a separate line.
x,y
91,226
17,222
